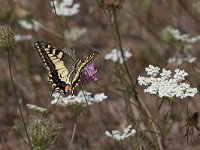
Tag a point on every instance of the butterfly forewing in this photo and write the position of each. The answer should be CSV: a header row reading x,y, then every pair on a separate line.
x,y
52,58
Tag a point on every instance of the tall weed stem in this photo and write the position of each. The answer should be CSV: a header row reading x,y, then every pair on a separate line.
x,y
18,103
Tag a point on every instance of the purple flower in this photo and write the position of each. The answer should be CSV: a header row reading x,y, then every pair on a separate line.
x,y
88,74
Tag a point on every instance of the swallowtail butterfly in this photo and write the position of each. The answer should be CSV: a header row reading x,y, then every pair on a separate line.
x,y
63,70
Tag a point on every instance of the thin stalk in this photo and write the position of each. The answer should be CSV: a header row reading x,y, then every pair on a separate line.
x,y
187,117
186,8
17,100
121,82
109,91
49,30
122,146
118,38
59,24
154,126
93,121
72,138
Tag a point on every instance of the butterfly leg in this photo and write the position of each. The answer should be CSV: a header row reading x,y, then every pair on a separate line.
x,y
72,91
52,91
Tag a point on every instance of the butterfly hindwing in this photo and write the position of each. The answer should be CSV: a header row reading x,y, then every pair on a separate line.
x,y
79,65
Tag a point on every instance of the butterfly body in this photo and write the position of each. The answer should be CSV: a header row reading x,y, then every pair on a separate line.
x,y
63,71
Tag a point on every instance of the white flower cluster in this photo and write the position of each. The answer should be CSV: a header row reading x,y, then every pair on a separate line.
x,y
185,56
166,85
118,136
82,97
180,60
183,37
115,55
74,33
65,7
23,37
36,108
33,25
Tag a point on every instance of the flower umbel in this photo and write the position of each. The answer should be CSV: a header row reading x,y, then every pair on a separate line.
x,y
7,39
182,37
65,7
88,74
29,25
74,33
82,97
166,85
21,37
115,55
42,132
180,60
118,136
36,108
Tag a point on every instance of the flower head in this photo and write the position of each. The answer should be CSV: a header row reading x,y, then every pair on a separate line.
x,y
152,71
182,37
74,34
82,98
115,55
29,25
181,59
65,7
77,103
21,37
42,132
7,40
36,108
166,85
118,136
88,74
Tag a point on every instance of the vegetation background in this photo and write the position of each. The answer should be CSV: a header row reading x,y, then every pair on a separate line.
x,y
141,25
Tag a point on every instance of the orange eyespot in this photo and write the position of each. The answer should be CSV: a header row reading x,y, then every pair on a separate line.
x,y
68,88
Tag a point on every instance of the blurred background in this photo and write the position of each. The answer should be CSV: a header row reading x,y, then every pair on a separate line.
x,y
144,28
